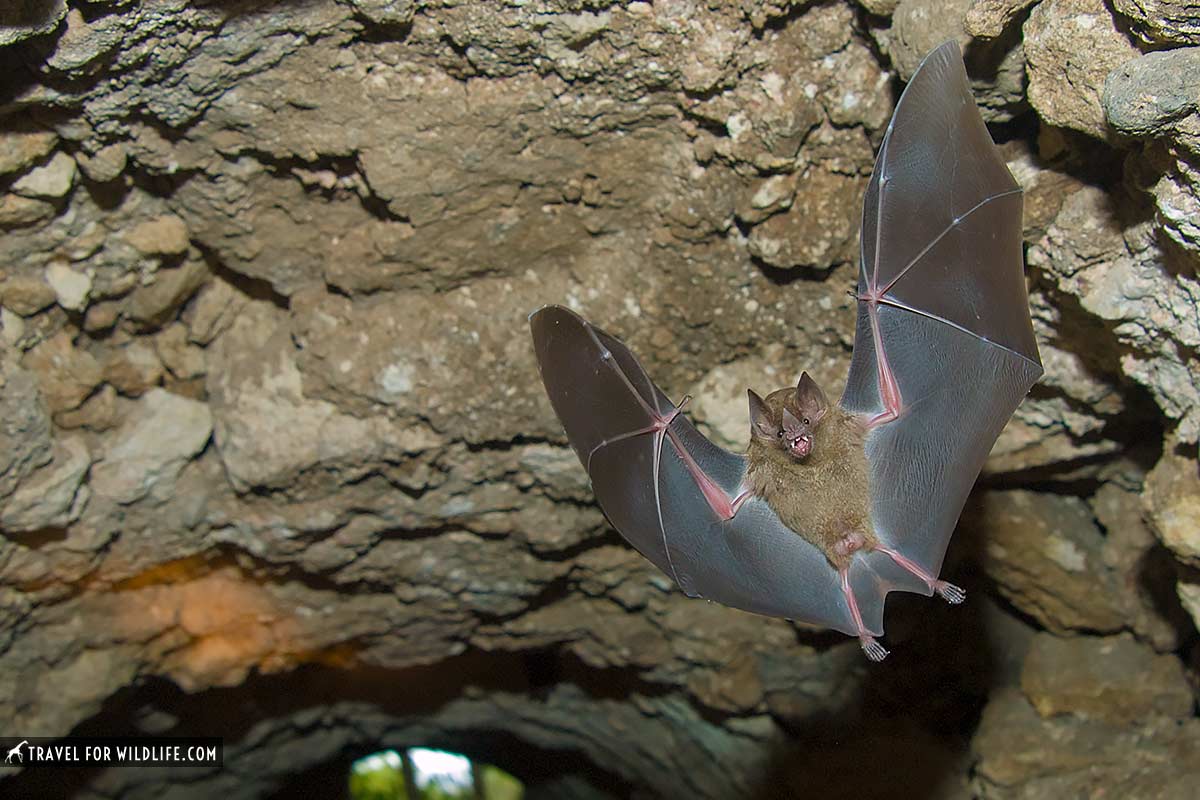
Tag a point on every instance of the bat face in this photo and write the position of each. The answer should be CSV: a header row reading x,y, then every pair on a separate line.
x,y
778,422
860,498
788,418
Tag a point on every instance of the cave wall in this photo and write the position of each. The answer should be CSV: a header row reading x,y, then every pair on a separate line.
x,y
275,462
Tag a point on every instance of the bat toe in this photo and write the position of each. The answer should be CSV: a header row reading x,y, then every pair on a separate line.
x,y
874,650
949,592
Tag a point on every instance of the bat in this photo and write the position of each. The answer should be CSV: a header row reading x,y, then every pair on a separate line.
x,y
833,506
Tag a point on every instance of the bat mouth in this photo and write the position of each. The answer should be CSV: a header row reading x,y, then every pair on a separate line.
x,y
801,446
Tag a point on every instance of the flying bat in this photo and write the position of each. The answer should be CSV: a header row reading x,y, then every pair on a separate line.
x,y
834,505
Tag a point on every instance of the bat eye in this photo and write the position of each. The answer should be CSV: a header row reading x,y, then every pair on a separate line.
x,y
780,434
806,420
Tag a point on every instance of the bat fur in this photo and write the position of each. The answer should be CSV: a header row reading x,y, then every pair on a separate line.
x,y
823,496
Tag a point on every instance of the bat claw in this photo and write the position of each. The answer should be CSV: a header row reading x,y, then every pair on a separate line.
x,y
949,592
871,646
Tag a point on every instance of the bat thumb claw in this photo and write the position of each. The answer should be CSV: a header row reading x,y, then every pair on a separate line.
x,y
874,650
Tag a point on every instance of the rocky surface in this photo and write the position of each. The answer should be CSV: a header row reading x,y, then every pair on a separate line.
x,y
275,461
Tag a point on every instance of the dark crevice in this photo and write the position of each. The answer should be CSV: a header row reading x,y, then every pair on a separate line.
x,y
254,288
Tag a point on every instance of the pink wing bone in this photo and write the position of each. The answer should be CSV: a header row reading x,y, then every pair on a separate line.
x,y
893,407
723,506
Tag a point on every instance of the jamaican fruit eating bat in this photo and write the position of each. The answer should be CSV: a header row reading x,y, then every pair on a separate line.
x,y
833,506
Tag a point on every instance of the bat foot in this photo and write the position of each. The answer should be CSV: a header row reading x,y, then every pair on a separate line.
x,y
871,646
949,592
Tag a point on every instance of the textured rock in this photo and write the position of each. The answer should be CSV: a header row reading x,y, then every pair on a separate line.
x,y
1063,89
19,212
1172,503
20,149
317,229
1163,21
1021,755
26,435
1113,679
256,411
106,164
819,230
987,19
1143,571
1154,97
133,369
148,451
70,287
49,181
26,296
1044,553
159,299
67,374
51,497
996,64
1120,276
166,235
1147,95
22,19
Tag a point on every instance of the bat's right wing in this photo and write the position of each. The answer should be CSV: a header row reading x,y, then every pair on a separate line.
x,y
944,341
649,467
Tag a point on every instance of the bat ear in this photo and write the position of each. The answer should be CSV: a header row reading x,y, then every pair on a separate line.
x,y
810,399
760,417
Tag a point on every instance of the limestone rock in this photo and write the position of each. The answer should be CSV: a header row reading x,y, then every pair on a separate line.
x,y
1044,553
25,434
1113,679
67,374
259,404
1189,596
148,451
25,18
1143,571
98,413
1021,755
184,359
20,150
1089,255
53,496
1172,503
996,65
1154,97
1147,95
26,296
820,228
83,44
133,369
1163,21
384,12
720,405
18,212
213,310
153,304
987,19
166,235
105,165
71,287
50,181
1063,89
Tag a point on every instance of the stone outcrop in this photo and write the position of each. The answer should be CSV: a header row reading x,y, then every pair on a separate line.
x,y
275,460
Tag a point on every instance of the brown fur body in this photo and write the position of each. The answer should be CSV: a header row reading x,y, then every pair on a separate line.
x,y
824,497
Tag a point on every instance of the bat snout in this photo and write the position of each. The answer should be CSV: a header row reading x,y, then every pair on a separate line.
x,y
800,446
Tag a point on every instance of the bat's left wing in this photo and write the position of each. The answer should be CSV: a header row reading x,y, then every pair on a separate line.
x,y
662,484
